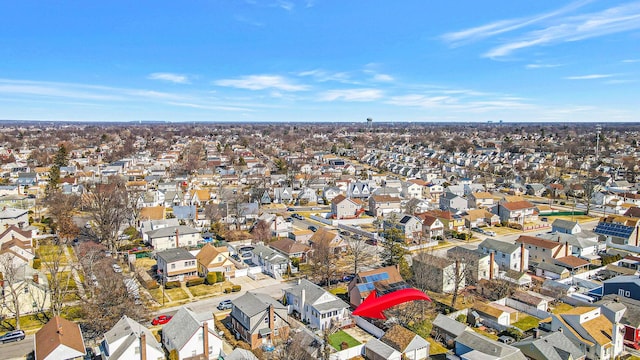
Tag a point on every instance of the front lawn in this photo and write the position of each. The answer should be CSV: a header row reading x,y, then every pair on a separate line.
x,y
205,290
527,323
157,295
338,338
176,294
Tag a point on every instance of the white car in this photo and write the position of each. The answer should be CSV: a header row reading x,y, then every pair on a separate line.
x,y
116,268
490,232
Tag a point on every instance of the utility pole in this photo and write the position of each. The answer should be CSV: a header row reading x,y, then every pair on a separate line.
x,y
598,131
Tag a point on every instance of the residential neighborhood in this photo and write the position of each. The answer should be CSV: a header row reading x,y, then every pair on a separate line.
x,y
239,241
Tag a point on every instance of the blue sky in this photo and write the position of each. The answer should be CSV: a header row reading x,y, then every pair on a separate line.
x,y
315,60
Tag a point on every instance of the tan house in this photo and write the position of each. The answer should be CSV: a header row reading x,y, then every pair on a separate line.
x,y
343,207
379,205
177,264
480,217
481,199
215,259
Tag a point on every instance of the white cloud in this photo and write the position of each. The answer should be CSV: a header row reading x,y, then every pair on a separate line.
x,y
324,76
261,82
422,100
174,78
541,66
631,60
504,26
589,77
209,107
351,95
286,5
383,77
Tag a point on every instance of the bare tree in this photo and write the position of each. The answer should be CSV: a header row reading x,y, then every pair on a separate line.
x,y
55,263
61,208
108,207
91,255
359,251
441,274
261,231
12,285
323,260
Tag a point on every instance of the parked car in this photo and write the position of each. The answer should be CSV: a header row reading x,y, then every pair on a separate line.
x,y
116,268
225,305
11,336
312,228
478,230
289,219
161,320
490,232
297,216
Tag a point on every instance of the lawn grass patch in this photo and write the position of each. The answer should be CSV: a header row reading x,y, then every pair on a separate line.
x,y
561,308
177,294
527,323
340,290
204,290
156,294
436,348
486,333
339,337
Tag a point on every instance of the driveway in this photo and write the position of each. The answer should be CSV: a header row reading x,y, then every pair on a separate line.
x,y
249,284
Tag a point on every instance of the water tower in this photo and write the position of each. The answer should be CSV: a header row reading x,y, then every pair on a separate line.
x,y
369,123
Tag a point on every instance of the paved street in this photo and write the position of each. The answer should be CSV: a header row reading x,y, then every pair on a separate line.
x,y
17,350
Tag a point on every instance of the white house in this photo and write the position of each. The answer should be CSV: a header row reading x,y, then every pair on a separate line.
x,y
191,335
126,339
173,237
316,306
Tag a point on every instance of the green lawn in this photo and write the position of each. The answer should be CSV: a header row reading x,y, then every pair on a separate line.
x,y
49,252
338,338
527,323
436,348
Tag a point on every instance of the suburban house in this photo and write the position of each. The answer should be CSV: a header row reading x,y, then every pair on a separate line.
x,y
291,249
480,218
479,200
478,265
541,250
16,246
127,339
620,232
259,320
12,216
359,190
380,205
29,285
343,207
471,345
377,279
173,237
565,226
432,227
411,190
215,259
176,265
273,263
192,335
452,202
406,342
59,339
450,220
492,315
316,307
552,346
282,195
517,212
626,286
441,273
591,331
582,245
507,256
330,238
409,225
627,312
552,271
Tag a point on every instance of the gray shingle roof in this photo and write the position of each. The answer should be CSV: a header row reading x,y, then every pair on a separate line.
x,y
184,324
448,324
378,347
487,346
497,245
554,346
172,255
171,231
130,330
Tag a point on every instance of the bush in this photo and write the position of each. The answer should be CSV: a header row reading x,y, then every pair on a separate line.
x,y
172,284
236,288
513,332
37,263
211,278
227,290
194,282
462,318
219,276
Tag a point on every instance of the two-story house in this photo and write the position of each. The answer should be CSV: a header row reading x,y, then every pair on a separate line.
x,y
379,205
432,227
316,307
411,226
517,212
273,263
343,207
620,232
215,259
173,237
482,199
259,320
508,256
452,202
176,265
127,338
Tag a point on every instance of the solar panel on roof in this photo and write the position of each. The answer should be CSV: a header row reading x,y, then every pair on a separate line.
x,y
365,287
376,277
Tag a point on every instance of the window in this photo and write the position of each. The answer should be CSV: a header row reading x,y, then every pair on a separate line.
x,y
173,266
26,290
266,320
137,350
627,293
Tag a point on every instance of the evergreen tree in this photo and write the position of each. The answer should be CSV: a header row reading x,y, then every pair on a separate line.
x,y
59,160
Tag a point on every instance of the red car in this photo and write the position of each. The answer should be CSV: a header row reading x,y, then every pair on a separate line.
x,y
161,320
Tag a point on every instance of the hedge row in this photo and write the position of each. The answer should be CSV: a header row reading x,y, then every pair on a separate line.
x,y
172,284
194,282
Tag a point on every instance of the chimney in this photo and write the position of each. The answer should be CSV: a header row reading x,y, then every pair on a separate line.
x,y
303,298
35,278
566,248
205,339
271,321
536,333
491,259
143,347
177,242
522,269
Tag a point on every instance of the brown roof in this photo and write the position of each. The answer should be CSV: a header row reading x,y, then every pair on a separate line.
x,y
482,195
572,261
392,271
57,332
526,298
385,198
418,182
12,228
633,212
288,246
518,205
426,218
487,309
398,337
536,241
152,213
338,199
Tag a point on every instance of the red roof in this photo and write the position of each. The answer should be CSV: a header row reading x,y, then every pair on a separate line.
x,y
517,205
